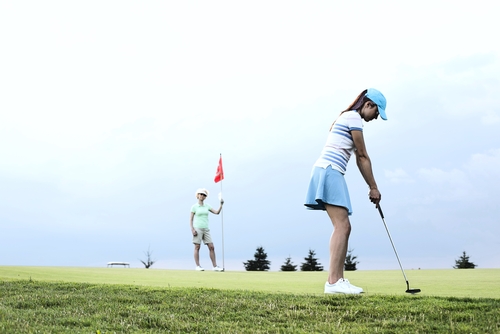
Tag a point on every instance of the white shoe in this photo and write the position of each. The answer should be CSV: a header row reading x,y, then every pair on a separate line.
x,y
198,268
217,268
340,286
353,287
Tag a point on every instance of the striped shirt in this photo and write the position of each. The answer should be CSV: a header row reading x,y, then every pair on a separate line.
x,y
339,144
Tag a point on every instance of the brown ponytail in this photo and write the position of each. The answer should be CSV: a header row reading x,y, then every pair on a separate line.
x,y
355,105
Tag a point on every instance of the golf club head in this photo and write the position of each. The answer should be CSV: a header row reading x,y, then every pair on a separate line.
x,y
413,291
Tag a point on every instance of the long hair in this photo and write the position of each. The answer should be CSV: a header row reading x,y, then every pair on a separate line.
x,y
355,105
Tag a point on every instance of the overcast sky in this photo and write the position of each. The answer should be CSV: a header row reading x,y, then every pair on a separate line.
x,y
113,113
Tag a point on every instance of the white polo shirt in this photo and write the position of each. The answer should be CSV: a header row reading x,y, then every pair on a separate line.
x,y
339,145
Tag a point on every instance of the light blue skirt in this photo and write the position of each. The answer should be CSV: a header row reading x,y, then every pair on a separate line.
x,y
327,186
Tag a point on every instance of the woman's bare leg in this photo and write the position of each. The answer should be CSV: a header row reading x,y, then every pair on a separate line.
x,y
338,241
197,254
211,250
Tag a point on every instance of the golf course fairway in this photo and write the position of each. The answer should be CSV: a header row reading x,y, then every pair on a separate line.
x,y
473,283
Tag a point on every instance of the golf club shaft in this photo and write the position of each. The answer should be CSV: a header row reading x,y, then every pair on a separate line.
x,y
392,243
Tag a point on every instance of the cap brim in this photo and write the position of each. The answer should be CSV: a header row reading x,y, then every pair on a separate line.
x,y
382,113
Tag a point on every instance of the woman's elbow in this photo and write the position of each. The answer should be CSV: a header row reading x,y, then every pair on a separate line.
x,y
360,160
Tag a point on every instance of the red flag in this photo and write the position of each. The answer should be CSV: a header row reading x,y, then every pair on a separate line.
x,y
219,175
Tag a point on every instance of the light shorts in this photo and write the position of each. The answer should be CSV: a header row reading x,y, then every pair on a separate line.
x,y
203,234
327,186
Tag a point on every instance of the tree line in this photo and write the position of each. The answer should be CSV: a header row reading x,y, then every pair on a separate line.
x,y
311,263
261,263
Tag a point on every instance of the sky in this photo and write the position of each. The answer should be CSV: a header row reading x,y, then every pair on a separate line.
x,y
113,113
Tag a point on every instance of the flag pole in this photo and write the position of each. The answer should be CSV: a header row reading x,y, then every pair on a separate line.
x,y
219,176
222,221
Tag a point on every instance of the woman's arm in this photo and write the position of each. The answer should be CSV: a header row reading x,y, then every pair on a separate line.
x,y
191,223
365,166
220,208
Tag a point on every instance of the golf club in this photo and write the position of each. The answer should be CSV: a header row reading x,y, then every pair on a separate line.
x,y
408,290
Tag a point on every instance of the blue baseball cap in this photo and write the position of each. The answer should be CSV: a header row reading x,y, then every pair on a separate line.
x,y
379,99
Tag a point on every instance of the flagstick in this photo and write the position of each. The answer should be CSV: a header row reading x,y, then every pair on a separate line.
x,y
222,222
219,176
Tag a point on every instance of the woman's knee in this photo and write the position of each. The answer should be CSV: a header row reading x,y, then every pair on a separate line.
x,y
347,227
339,217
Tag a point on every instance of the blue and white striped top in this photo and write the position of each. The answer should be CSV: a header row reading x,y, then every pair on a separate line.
x,y
339,144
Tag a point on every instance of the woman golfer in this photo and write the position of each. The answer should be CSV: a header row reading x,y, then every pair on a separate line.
x,y
327,188
200,230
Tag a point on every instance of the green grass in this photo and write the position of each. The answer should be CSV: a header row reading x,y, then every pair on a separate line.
x,y
46,307
471,283
122,300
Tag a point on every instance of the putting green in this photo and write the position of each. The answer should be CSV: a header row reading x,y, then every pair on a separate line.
x,y
474,283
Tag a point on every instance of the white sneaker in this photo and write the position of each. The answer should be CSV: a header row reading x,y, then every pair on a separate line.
x,y
217,268
353,287
340,287
198,268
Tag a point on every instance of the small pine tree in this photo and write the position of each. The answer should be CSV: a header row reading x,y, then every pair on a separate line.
x,y
350,261
464,263
288,265
260,262
311,263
